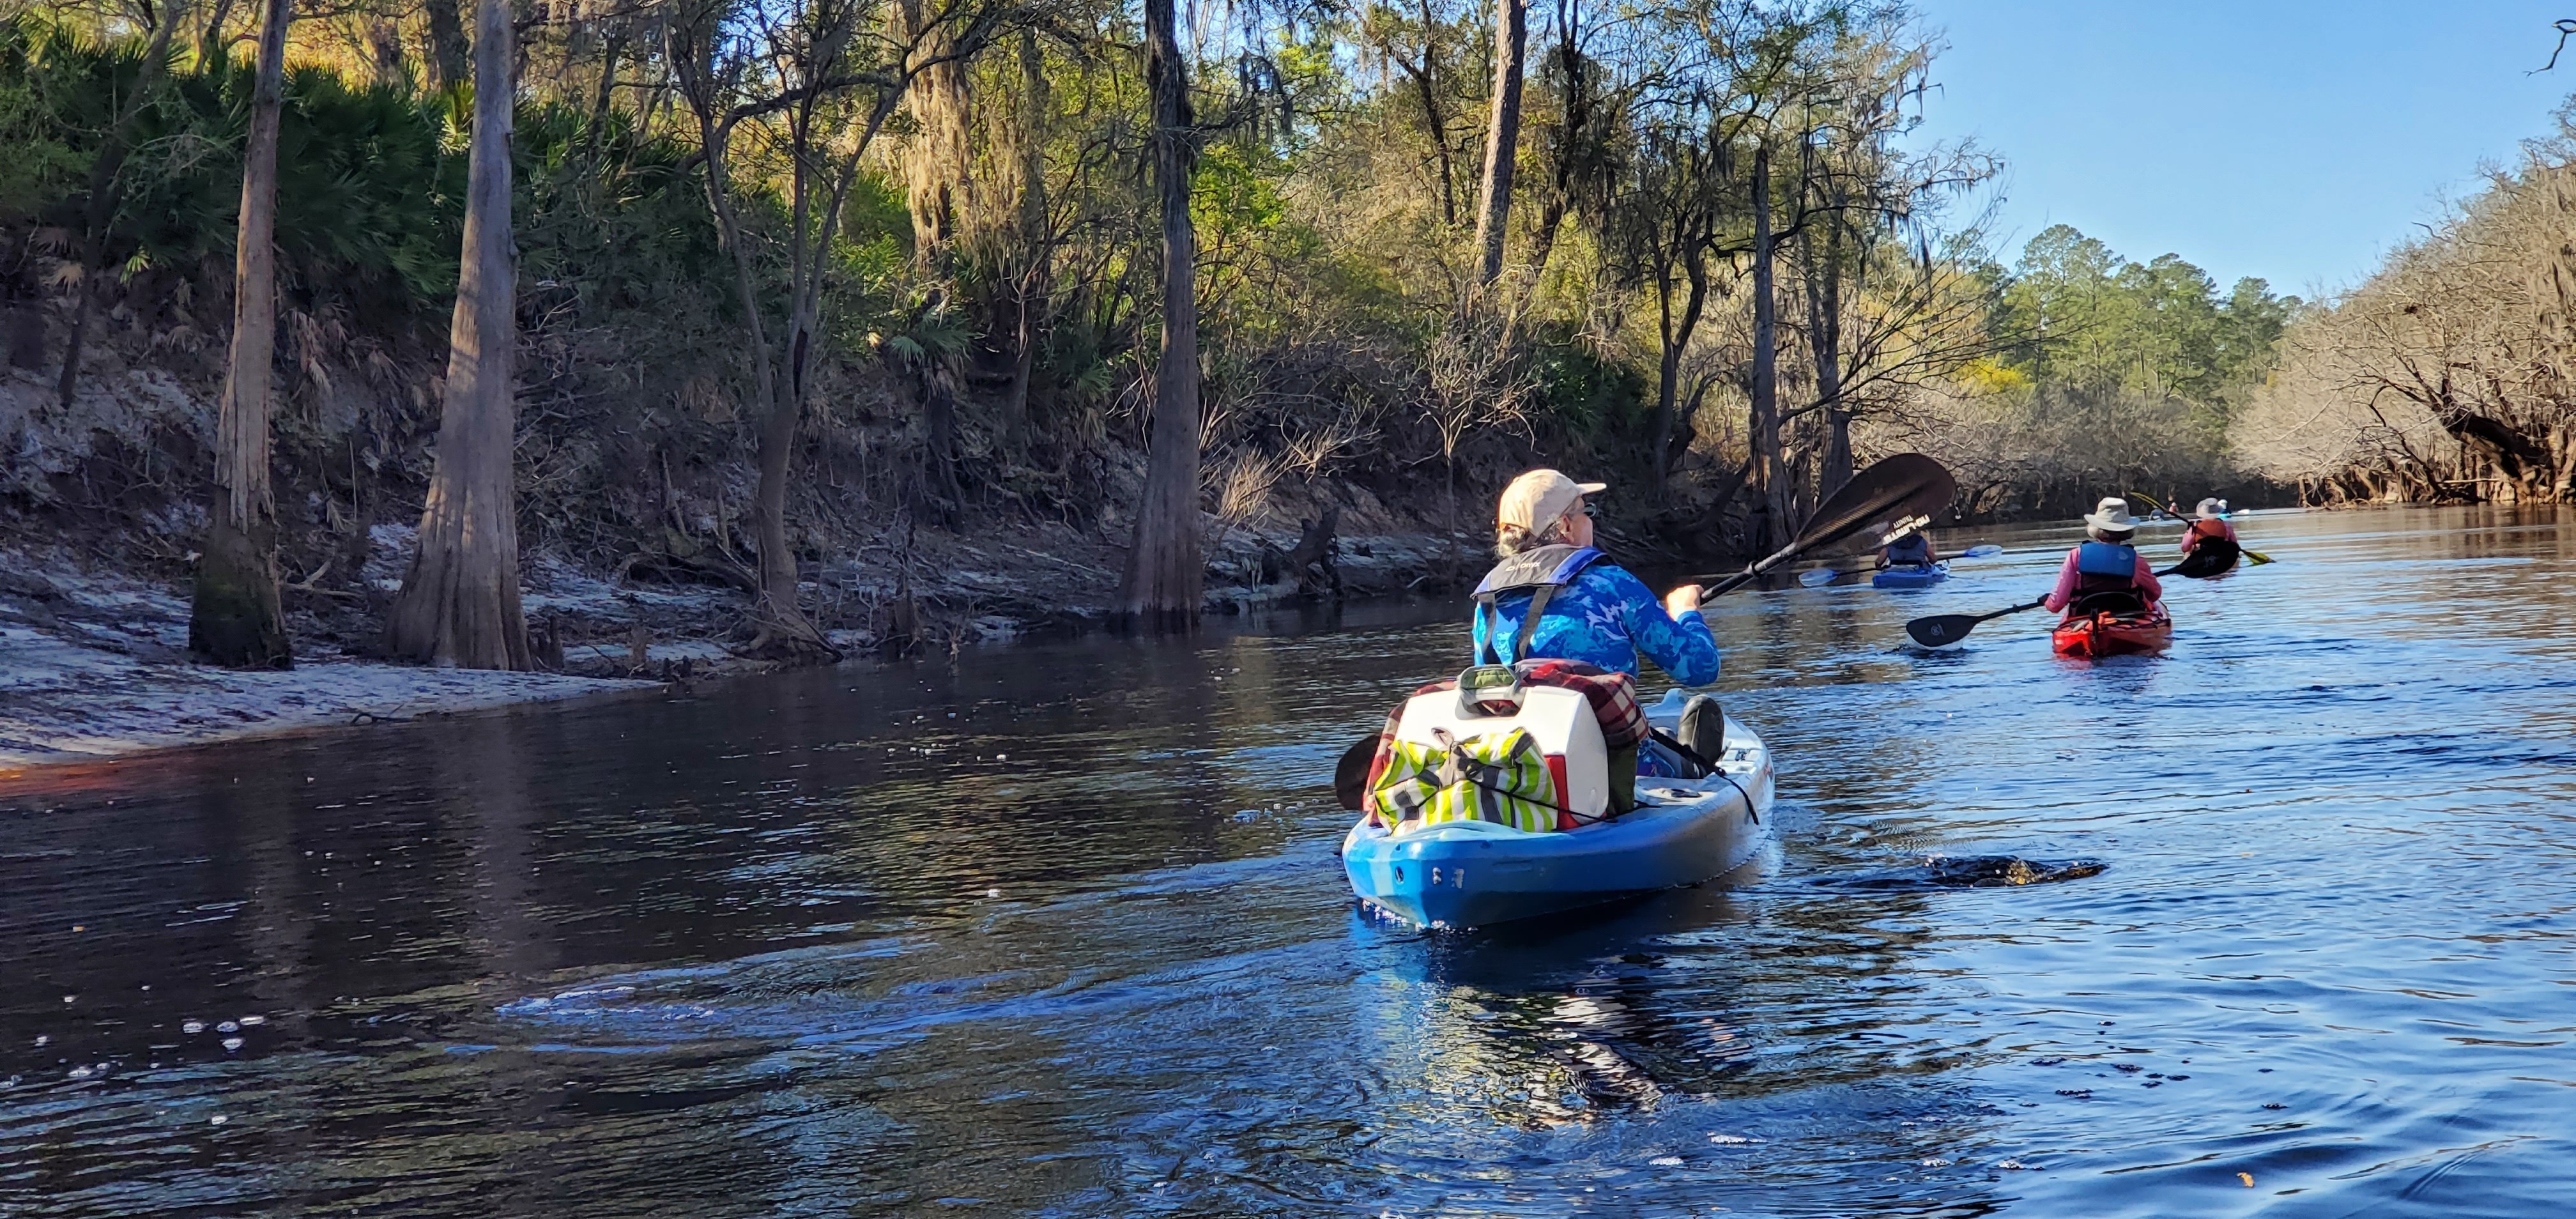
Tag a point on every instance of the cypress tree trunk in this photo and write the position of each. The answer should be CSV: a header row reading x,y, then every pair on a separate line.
x,y
1770,474
447,49
1825,310
1502,135
1675,335
1165,566
237,619
459,603
938,159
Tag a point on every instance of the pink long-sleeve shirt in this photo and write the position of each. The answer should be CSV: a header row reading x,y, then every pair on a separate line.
x,y
2057,601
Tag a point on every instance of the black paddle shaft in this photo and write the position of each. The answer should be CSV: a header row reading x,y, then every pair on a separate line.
x,y
1942,629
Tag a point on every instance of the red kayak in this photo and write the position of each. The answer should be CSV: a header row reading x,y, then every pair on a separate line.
x,y
2108,634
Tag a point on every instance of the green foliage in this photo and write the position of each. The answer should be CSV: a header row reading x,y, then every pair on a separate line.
x,y
609,214
371,182
1588,398
43,164
2091,321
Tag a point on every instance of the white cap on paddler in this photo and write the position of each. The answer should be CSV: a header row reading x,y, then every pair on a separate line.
x,y
2212,509
2112,516
1536,499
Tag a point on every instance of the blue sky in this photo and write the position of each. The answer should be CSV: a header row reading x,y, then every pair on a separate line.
x,y
2294,141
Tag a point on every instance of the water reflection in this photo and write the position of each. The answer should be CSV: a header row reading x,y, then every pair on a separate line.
x,y
1058,930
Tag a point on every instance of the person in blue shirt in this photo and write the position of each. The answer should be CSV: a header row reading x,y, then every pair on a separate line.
x,y
1553,596
1913,550
1593,610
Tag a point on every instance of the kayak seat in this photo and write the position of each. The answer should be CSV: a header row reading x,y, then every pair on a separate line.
x,y
2118,602
1560,721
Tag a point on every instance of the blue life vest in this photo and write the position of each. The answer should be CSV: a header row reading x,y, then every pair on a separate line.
x,y
1543,571
1913,549
2105,559
2101,567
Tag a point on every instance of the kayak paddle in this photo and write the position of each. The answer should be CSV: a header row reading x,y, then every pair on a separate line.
x,y
1889,493
1350,774
1942,629
1827,575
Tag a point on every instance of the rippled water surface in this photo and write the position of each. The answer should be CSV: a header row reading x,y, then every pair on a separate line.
x,y
1058,929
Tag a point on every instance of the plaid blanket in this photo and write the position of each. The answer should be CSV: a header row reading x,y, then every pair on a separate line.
x,y
1613,697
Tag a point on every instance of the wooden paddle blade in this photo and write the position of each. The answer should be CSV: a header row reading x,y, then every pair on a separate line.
x,y
1350,775
1908,484
1942,630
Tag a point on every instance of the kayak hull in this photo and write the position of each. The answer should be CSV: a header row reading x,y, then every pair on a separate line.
x,y
1464,874
1911,577
2097,635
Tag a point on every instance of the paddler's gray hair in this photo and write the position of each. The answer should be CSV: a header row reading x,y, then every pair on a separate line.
x,y
2116,537
1511,540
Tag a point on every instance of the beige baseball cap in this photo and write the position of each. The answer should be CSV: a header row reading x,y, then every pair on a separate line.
x,y
1540,496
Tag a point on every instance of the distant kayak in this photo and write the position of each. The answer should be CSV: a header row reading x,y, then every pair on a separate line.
x,y
1461,874
1911,576
2106,634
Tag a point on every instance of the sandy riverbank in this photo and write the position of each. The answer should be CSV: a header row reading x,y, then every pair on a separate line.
x,y
60,702
94,666
94,662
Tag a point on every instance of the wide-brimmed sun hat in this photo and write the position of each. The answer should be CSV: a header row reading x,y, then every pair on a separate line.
x,y
1537,498
2212,509
2112,516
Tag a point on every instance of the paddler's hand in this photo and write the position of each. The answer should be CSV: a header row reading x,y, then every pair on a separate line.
x,y
1682,600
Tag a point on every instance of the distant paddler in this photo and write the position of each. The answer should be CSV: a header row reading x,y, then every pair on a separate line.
x,y
2210,525
2211,533
1911,548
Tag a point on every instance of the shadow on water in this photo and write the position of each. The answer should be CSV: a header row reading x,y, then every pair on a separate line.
x,y
1059,930
1969,872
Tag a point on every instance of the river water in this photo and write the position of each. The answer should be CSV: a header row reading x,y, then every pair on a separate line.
x,y
1059,929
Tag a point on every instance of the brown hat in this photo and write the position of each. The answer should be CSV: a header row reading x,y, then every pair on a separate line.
x,y
1537,498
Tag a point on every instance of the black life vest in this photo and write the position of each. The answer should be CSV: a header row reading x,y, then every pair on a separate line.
x,y
1912,550
1541,572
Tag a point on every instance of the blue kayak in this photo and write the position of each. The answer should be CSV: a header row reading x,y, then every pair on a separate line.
x,y
1911,576
1476,873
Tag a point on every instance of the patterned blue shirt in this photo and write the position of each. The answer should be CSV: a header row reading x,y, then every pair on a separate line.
x,y
1606,617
